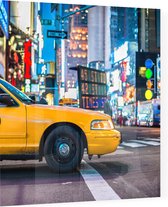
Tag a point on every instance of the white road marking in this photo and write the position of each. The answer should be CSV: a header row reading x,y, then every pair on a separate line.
x,y
120,147
99,188
67,183
153,143
120,152
149,138
132,144
141,142
153,139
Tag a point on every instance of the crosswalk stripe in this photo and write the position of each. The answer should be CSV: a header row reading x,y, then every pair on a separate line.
x,y
132,144
99,188
120,152
120,147
153,143
154,139
140,143
149,138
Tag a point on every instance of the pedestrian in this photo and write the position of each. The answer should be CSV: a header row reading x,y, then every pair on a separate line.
x,y
2,63
120,120
107,106
43,100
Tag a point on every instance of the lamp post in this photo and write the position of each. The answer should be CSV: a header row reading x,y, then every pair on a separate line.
x,y
56,92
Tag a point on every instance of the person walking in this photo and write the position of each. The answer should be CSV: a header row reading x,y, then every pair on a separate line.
x,y
107,106
120,120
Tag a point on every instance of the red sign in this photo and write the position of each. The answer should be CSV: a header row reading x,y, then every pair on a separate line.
x,y
27,59
123,76
124,64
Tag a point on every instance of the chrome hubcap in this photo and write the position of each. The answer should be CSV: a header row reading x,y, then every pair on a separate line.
x,y
64,149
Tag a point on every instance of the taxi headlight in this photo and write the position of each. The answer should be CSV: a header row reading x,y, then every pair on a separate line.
x,y
102,125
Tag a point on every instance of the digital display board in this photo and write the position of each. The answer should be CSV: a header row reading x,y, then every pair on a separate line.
x,y
92,88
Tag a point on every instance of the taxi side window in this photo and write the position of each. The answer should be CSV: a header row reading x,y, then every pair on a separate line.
x,y
2,93
6,100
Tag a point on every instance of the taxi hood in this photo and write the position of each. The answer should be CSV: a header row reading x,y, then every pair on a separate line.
x,y
66,109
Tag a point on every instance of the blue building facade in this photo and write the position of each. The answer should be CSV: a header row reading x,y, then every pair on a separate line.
x,y
48,23
4,35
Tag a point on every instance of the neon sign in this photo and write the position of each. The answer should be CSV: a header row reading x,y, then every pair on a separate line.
x,y
4,6
27,59
27,85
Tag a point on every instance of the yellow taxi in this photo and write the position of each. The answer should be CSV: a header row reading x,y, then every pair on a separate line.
x,y
58,134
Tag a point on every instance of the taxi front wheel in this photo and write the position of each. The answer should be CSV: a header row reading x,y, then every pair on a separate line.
x,y
63,149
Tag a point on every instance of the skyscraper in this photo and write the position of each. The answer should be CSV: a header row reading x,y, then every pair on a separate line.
x,y
76,47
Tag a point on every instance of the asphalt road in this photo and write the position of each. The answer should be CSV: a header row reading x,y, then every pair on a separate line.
x,y
133,171
129,132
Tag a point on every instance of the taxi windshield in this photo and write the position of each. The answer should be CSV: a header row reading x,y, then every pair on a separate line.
x,y
17,93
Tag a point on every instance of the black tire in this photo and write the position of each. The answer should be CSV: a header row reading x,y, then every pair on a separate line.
x,y
63,149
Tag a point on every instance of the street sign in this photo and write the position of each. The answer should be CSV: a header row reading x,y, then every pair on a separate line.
x,y
41,69
57,34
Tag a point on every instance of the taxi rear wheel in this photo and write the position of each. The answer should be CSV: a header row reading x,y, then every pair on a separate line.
x,y
63,149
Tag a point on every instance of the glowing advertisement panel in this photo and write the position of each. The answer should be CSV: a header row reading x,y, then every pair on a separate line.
x,y
4,7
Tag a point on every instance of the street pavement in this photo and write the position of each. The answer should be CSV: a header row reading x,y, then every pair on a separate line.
x,y
133,171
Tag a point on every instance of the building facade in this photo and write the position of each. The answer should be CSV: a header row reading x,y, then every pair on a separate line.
x,y
22,45
4,35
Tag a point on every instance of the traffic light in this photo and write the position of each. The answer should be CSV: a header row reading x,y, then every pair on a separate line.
x,y
148,73
148,94
150,76
150,84
146,76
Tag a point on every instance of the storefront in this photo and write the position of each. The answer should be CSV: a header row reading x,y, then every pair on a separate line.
x,y
23,47
15,51
129,114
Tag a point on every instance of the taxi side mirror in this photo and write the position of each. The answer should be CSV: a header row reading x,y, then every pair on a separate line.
x,y
7,100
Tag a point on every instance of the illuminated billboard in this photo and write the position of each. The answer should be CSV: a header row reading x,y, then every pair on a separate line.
x,y
4,6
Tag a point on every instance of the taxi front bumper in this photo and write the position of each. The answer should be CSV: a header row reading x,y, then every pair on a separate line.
x,y
103,142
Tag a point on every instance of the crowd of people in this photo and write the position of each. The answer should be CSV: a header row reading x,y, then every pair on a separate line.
x,y
108,110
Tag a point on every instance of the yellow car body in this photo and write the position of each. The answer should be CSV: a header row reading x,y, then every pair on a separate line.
x,y
26,126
